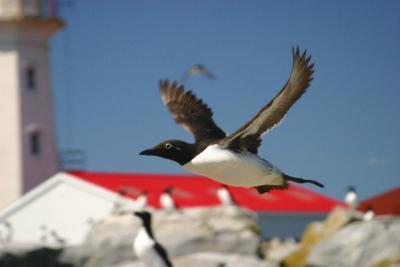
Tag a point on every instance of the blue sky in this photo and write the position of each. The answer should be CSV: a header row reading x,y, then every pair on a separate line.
x,y
107,61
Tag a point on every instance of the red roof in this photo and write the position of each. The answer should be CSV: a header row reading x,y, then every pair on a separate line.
x,y
192,191
387,203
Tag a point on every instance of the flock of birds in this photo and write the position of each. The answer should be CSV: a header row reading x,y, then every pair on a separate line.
x,y
145,245
166,200
153,254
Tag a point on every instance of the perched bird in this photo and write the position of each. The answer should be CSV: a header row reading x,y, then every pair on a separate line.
x,y
167,202
6,232
146,247
141,201
232,159
351,197
44,233
225,196
198,69
57,238
119,204
369,214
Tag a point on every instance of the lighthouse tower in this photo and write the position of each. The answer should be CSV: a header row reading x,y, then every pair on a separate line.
x,y
28,153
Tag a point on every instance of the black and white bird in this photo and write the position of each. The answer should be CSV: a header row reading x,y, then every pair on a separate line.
x,y
351,197
146,247
167,202
369,214
224,196
141,201
232,159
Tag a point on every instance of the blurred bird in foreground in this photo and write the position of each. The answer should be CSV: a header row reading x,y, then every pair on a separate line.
x,y
196,70
146,247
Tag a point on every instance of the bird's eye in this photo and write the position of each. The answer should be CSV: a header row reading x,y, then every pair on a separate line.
x,y
168,145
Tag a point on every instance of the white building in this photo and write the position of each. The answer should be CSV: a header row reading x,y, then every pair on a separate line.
x,y
28,153
59,211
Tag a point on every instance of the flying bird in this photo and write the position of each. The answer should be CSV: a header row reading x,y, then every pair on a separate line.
x,y
198,69
232,159
146,247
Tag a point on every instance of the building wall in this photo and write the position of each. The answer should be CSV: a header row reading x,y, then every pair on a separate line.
x,y
36,110
63,204
10,146
23,44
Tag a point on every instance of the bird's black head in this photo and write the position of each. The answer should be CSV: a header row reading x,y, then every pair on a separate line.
x,y
168,190
145,216
351,189
176,150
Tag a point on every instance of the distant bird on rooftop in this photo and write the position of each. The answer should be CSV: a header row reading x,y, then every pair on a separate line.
x,y
44,233
141,201
196,70
369,214
57,238
167,201
351,197
146,247
6,231
224,196
232,159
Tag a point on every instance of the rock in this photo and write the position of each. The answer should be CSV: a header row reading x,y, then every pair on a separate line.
x,y
360,244
276,250
182,232
314,233
215,259
30,255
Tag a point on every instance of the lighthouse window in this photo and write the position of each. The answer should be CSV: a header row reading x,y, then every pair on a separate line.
x,y
30,78
35,143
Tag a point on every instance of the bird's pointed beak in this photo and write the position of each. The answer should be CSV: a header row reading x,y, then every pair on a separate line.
x,y
148,152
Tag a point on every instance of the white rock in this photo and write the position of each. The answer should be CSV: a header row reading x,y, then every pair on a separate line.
x,y
359,244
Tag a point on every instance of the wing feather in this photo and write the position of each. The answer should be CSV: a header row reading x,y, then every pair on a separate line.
x,y
192,113
249,135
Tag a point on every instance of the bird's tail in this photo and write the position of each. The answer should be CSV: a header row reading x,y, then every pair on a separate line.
x,y
301,180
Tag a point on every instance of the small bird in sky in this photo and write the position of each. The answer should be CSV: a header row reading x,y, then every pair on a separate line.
x,y
232,159
198,69
146,247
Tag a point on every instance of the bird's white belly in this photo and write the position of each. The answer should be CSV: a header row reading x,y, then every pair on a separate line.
x,y
144,250
228,167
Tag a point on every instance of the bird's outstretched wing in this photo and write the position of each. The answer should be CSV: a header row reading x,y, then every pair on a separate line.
x,y
249,135
194,115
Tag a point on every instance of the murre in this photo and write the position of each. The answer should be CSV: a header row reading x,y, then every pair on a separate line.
x,y
232,159
146,247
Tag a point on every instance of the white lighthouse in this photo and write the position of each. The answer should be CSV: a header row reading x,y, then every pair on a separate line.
x,y
28,153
